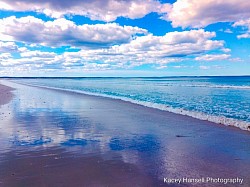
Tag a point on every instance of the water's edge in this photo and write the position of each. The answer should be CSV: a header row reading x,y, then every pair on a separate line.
x,y
243,125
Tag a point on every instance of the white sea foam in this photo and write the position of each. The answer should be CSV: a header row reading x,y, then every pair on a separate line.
x,y
244,125
216,86
245,87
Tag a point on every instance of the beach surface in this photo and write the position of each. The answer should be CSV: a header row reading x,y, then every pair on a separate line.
x,y
5,94
60,138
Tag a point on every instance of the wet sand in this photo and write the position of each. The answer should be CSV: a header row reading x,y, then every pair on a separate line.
x,y
57,138
5,94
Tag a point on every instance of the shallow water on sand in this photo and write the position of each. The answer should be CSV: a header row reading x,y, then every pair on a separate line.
x,y
56,138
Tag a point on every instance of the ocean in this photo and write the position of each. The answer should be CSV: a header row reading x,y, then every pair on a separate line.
x,y
224,99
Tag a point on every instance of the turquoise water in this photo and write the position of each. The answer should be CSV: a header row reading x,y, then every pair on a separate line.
x,y
223,100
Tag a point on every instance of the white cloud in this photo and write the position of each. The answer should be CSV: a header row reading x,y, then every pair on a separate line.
x,y
228,31
208,57
26,61
4,56
106,10
179,67
246,35
64,32
8,47
162,67
155,50
236,59
226,50
40,54
171,45
217,67
204,67
151,49
194,13
158,50
245,24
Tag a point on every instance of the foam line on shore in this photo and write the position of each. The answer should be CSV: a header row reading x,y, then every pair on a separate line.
x,y
218,86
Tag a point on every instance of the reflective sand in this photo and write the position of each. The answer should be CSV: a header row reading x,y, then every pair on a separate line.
x,y
56,138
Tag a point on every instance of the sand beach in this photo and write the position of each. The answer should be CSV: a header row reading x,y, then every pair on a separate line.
x,y
59,138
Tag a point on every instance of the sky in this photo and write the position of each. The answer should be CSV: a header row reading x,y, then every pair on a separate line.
x,y
124,37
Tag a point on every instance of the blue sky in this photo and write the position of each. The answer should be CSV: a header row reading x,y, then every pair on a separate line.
x,y
124,38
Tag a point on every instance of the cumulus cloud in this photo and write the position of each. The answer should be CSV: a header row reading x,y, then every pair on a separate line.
x,y
149,49
193,13
106,10
40,54
8,47
64,32
245,24
171,45
157,51
208,57
4,56
104,46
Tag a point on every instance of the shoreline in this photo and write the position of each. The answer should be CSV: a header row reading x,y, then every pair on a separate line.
x,y
219,120
100,141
